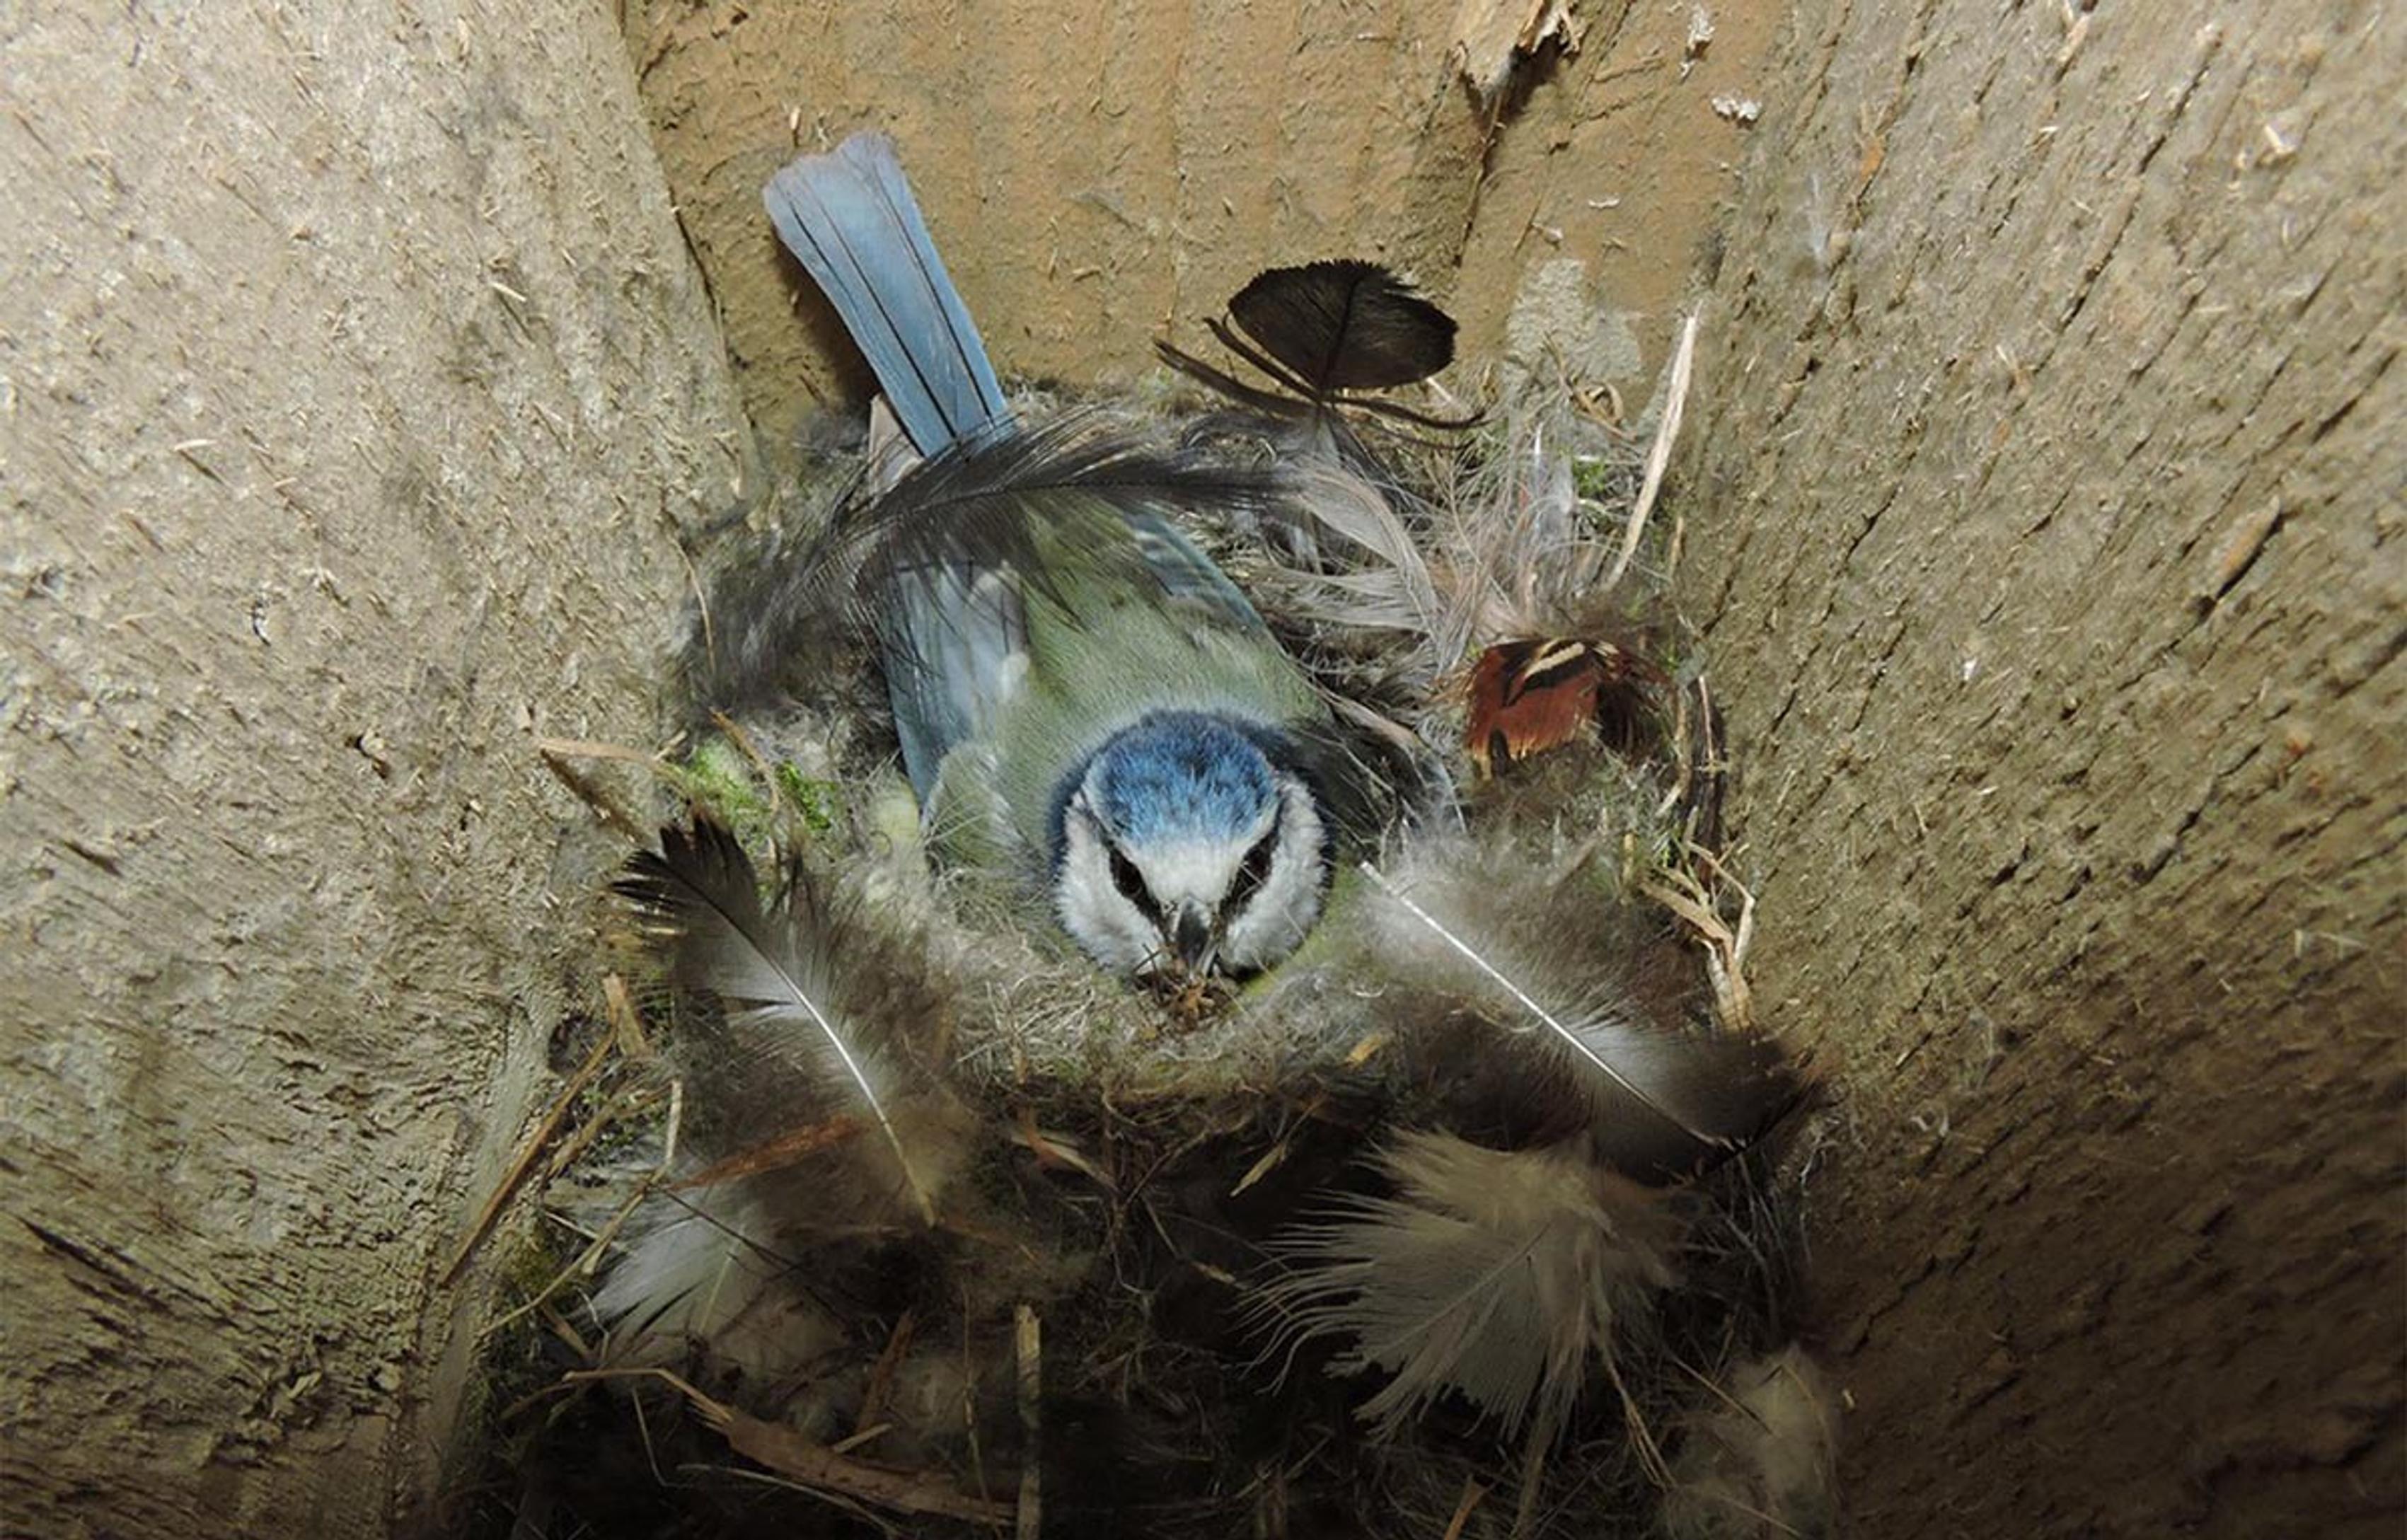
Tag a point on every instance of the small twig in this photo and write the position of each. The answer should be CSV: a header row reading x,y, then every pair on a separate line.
x,y
1534,1474
701,603
969,1404
1658,454
881,1373
676,1122
623,1105
1472,1495
588,749
1028,1340
627,1021
1642,1438
1054,1149
528,1153
785,1450
560,1327
1725,949
776,1154
590,1258
582,1265
588,791
860,1436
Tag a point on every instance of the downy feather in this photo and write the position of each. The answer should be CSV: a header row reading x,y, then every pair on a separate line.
x,y
1500,1275
700,1271
1759,1456
1503,554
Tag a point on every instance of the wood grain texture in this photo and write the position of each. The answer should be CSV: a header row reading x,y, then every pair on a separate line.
x,y
1099,174
352,378
2048,505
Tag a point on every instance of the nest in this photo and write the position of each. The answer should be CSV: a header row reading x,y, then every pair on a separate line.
x,y
1127,1307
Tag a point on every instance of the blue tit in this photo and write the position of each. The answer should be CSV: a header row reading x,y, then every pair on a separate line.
x,y
1084,701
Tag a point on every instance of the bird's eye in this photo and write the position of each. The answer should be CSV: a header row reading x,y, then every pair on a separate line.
x,y
1131,882
1252,871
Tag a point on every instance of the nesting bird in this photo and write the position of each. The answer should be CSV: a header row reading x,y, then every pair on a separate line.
x,y
1416,1174
1079,692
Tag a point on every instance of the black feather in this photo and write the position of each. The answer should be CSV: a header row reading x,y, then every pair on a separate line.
x,y
976,506
1341,325
1087,478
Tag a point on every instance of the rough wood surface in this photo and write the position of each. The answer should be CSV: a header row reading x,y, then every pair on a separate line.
x,y
351,376
1100,173
2048,497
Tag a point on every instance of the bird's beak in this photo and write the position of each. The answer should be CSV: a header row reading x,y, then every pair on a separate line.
x,y
1189,931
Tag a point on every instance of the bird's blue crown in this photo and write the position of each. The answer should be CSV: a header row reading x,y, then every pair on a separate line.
x,y
1182,775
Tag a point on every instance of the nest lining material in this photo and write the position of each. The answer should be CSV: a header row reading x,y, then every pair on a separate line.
x,y
1137,1312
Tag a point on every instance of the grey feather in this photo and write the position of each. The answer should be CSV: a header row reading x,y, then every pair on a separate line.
x,y
1536,957
780,973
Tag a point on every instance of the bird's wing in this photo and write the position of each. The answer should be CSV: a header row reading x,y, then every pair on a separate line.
x,y
1045,559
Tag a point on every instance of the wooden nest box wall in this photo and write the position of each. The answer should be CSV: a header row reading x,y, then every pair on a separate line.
x,y
359,372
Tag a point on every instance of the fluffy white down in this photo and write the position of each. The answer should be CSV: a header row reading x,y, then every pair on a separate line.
x,y
1497,1274
694,1279
1760,1455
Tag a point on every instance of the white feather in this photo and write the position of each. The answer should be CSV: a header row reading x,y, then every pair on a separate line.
x,y
782,974
699,1275
1760,1458
1500,1275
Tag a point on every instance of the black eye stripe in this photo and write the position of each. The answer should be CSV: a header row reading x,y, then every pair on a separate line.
x,y
1254,870
1131,882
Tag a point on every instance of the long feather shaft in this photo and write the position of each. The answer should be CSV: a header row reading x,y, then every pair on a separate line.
x,y
1470,954
876,1109
799,996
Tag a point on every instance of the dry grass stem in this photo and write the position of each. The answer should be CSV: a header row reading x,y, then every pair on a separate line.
x,y
774,1154
1658,454
528,1154
1694,900
1472,1495
1028,1343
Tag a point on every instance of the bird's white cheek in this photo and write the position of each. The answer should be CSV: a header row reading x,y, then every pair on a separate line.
x,y
1107,929
1275,925
1106,926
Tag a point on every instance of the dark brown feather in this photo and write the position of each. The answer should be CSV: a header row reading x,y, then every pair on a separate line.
x,y
1344,325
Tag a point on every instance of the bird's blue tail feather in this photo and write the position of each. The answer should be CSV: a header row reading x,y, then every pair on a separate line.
x,y
849,217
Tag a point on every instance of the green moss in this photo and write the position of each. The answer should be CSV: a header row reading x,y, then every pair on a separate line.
x,y
718,779
1599,480
814,800
722,781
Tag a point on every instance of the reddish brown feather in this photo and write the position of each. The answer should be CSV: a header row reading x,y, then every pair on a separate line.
x,y
1536,694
